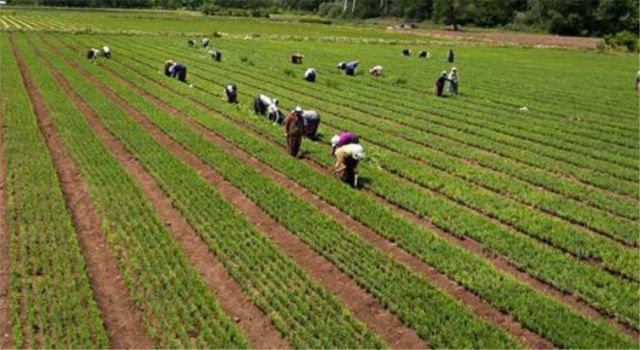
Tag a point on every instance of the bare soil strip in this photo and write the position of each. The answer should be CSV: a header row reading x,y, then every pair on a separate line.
x,y
474,303
498,261
5,239
254,324
363,305
123,323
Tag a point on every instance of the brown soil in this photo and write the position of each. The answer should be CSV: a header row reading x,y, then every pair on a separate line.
x,y
498,261
254,324
442,282
510,38
476,247
5,238
362,304
123,323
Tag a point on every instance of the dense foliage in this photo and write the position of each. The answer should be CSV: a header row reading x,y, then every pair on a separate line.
x,y
568,17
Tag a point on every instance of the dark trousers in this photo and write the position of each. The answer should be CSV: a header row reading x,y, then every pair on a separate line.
x,y
259,107
293,144
232,97
351,71
311,129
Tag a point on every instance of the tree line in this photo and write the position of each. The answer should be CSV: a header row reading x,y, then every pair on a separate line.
x,y
564,17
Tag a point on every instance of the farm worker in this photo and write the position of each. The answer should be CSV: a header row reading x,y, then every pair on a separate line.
x,y
450,56
453,81
294,129
311,120
440,83
406,52
296,58
106,52
263,104
422,54
638,81
191,42
175,70
344,138
347,159
310,75
376,71
92,54
231,92
216,55
350,69
205,42
342,65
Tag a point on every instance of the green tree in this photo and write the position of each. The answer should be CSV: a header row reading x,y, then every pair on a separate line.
x,y
451,12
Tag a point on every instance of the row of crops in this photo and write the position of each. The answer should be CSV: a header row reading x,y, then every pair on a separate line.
x,y
10,23
540,197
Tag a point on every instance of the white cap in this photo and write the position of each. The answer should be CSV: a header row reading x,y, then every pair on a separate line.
x,y
334,140
358,152
454,68
298,109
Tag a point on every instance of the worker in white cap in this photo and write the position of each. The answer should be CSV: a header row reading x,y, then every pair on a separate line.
x,y
347,159
310,75
453,81
106,52
376,71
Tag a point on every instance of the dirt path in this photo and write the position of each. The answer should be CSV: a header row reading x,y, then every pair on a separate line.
x,y
254,324
509,38
123,323
470,244
363,305
5,239
476,304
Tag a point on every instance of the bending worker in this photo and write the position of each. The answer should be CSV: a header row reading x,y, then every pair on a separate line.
x,y
350,68
106,52
294,129
296,58
376,71
440,82
344,138
311,121
205,42
263,104
310,75
92,54
231,92
347,159
175,70
215,55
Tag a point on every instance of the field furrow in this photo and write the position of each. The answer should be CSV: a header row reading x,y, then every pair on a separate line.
x,y
209,99
548,229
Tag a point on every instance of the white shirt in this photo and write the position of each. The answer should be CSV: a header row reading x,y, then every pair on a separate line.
x,y
309,72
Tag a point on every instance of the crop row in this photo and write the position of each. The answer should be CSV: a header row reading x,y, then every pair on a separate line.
x,y
617,205
582,104
502,291
323,61
579,276
485,117
52,302
450,325
559,234
595,219
303,311
421,136
178,309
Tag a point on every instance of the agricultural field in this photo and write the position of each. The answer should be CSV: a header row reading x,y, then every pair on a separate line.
x,y
142,212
